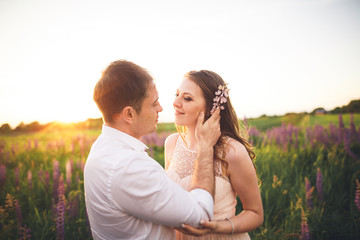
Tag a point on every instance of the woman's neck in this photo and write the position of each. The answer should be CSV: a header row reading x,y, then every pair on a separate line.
x,y
190,138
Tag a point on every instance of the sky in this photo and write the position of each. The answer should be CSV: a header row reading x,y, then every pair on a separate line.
x,y
278,56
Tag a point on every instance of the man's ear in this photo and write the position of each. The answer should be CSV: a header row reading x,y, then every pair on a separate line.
x,y
128,114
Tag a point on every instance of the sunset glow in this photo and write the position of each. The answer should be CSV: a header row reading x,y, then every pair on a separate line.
x,y
277,56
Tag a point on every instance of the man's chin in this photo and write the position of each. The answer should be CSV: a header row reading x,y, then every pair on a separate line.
x,y
153,130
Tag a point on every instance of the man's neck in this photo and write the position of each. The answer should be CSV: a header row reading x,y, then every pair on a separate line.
x,y
123,128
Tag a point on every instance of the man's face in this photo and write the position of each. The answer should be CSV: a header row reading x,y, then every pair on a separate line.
x,y
145,121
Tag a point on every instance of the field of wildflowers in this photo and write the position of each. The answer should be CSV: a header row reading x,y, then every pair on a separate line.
x,y
309,181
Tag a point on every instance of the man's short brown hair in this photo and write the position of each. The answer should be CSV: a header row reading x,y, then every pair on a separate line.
x,y
122,84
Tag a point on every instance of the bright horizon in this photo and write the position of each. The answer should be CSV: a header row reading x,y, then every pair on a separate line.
x,y
277,56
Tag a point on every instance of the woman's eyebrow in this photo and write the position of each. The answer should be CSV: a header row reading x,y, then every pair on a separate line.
x,y
187,93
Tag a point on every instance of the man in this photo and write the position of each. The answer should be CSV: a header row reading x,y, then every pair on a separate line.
x,y
128,194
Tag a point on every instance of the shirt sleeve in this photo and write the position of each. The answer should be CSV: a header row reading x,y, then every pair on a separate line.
x,y
144,190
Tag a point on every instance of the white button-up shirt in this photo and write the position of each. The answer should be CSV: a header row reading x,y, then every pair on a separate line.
x,y
129,196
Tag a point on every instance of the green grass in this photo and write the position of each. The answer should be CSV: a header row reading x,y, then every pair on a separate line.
x,y
302,120
263,123
282,169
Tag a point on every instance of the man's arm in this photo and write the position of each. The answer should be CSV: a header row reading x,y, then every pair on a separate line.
x,y
144,190
207,135
147,192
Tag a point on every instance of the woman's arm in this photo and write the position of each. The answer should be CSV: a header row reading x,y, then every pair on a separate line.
x,y
244,181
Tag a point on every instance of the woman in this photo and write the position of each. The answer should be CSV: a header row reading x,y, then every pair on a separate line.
x,y
235,173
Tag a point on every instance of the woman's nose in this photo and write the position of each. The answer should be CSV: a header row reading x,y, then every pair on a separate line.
x,y
176,102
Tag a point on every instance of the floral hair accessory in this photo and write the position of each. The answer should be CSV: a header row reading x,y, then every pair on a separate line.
x,y
220,97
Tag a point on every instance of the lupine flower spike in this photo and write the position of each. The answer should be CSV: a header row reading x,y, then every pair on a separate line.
x,y
220,98
305,232
319,188
357,195
60,207
308,191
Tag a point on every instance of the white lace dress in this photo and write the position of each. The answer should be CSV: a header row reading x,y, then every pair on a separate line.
x,y
181,169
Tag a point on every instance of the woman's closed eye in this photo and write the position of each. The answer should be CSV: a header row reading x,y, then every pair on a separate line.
x,y
188,99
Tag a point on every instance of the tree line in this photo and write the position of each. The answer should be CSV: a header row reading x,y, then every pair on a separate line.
x,y
352,107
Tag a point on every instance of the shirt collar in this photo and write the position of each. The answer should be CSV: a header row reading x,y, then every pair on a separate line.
x,y
125,138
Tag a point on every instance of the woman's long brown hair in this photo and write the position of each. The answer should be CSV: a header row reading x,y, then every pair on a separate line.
x,y
209,82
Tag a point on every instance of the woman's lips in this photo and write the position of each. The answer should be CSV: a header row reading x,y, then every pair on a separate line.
x,y
177,113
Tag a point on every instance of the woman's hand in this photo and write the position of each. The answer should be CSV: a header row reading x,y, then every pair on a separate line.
x,y
208,227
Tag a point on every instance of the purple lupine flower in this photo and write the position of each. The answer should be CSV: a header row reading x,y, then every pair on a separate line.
x,y
353,133
319,134
245,121
305,232
47,180
296,145
77,181
308,191
50,145
60,209
346,135
2,175
82,148
253,133
68,174
18,214
160,141
40,176
1,150
147,139
82,165
72,147
341,122
60,144
341,128
153,139
151,152
289,133
56,176
72,164
25,233
36,143
29,145
73,206
308,134
357,195
14,148
319,188
29,177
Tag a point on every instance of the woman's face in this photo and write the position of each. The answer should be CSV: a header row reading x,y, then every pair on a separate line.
x,y
189,102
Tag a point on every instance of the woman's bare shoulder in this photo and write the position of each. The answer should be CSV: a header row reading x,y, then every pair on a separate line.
x,y
171,139
235,151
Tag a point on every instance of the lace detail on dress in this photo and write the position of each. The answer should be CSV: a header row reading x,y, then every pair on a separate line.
x,y
183,161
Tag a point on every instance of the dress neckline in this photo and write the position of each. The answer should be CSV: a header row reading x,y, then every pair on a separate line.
x,y
185,146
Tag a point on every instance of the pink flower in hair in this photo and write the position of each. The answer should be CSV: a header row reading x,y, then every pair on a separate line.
x,y
220,98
